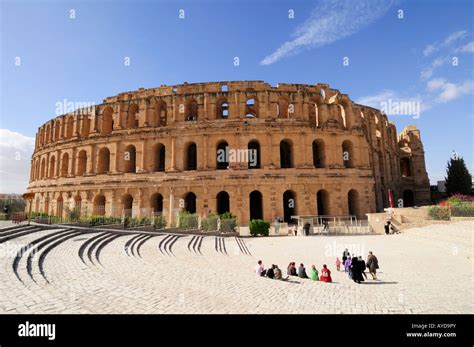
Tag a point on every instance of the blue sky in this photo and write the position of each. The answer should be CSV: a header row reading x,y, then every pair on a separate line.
x,y
82,59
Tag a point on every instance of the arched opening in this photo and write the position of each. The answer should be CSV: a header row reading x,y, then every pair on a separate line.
x,y
106,121
127,205
48,134
222,155
156,202
223,109
285,155
65,165
192,110
353,203
190,202
319,156
322,200
251,108
86,125
405,167
408,198
43,168
59,206
69,127
99,205
223,203
254,155
46,206
132,119
103,165
191,157
159,152
289,206
81,163
256,205
52,167
313,113
129,158
348,154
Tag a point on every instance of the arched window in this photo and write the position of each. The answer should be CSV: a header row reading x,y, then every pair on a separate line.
x,y
254,155
348,154
223,202
285,155
319,155
256,206
322,200
52,167
289,205
127,205
223,110
132,119
190,202
191,157
222,156
48,134
251,108
106,121
156,203
159,153
57,130
313,113
99,205
65,165
81,163
405,167
77,205
353,203
129,158
192,110
103,165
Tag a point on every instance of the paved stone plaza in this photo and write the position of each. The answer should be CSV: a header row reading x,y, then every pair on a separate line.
x,y
425,270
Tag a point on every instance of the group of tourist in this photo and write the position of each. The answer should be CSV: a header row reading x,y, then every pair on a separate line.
x,y
355,266
274,272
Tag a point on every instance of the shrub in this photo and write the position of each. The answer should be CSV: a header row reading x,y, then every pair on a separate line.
x,y
259,227
160,222
227,215
439,213
210,223
462,210
187,220
228,225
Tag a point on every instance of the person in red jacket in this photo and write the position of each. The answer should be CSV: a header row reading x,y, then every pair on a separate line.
x,y
325,274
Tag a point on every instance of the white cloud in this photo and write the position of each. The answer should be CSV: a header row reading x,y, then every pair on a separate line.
x,y
15,159
436,46
376,99
330,21
467,48
428,72
448,91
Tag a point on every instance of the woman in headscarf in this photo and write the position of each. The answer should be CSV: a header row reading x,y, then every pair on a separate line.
x,y
313,273
356,270
325,274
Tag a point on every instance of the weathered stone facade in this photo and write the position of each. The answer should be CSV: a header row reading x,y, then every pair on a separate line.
x,y
318,153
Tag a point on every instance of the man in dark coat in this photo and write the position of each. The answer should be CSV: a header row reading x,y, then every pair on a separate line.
x,y
356,270
373,265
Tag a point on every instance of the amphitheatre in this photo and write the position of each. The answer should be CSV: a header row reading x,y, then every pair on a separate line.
x,y
157,151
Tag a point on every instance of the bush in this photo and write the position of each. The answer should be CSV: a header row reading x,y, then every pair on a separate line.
x,y
160,222
228,225
187,220
439,213
210,223
227,215
462,210
259,227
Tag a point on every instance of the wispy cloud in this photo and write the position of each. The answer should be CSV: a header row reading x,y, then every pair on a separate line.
x,y
468,48
436,46
330,21
15,158
448,91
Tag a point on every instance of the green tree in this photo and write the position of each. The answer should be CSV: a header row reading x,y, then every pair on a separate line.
x,y
458,179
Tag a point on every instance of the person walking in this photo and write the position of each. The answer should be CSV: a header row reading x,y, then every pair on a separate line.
x,y
373,265
363,267
347,266
356,270
338,264
345,255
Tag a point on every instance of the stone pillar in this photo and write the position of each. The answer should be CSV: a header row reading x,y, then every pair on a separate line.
x,y
173,155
